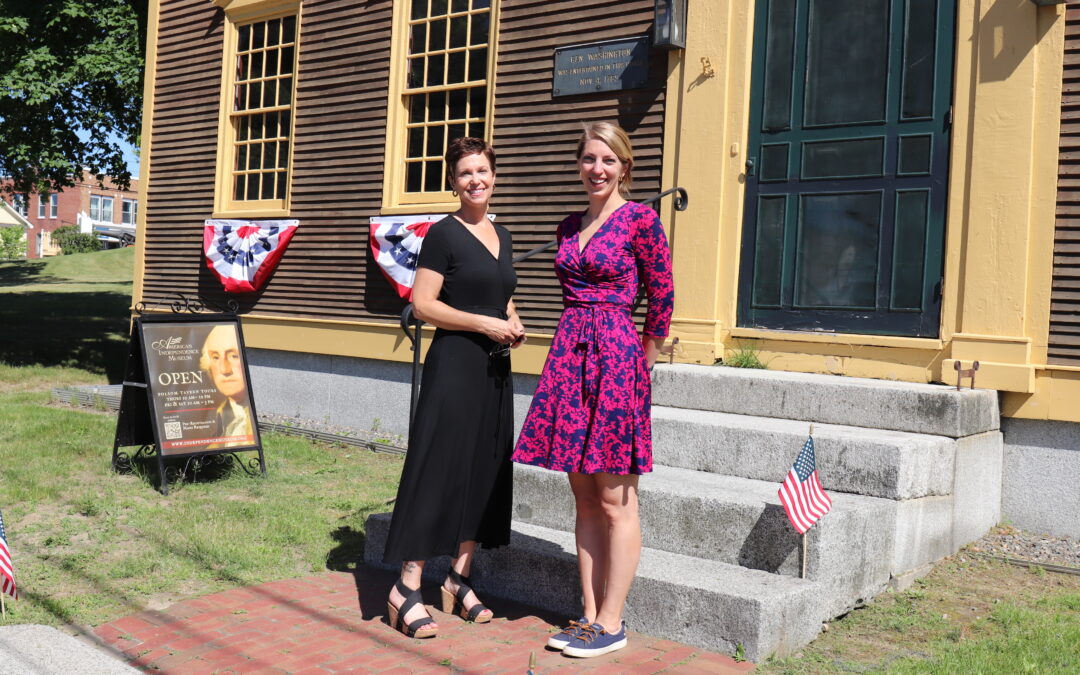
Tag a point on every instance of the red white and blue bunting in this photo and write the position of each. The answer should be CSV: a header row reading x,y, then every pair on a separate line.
x,y
243,253
395,244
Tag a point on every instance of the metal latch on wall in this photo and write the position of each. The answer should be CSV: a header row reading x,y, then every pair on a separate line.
x,y
961,373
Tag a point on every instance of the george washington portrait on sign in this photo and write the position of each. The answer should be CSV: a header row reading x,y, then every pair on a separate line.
x,y
222,360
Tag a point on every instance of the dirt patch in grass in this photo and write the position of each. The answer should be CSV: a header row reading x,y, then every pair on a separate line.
x,y
964,604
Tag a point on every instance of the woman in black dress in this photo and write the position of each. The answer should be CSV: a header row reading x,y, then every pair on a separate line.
x,y
456,485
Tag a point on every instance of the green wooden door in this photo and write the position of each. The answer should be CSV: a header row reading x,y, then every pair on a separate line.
x,y
848,148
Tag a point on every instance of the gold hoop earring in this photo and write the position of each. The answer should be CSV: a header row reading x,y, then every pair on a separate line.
x,y
454,192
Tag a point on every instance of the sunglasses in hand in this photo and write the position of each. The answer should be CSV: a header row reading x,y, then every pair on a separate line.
x,y
500,349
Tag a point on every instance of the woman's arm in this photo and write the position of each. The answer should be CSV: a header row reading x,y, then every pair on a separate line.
x,y
515,324
654,269
652,346
428,308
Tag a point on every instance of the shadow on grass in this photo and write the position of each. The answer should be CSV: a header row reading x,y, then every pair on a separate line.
x,y
349,551
18,274
180,471
85,330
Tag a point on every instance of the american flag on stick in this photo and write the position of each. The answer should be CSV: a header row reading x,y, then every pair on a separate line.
x,y
801,494
7,571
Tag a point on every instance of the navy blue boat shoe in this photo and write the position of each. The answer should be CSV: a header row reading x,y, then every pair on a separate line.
x,y
593,640
563,638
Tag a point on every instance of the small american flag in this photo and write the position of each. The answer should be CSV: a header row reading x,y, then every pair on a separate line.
x,y
7,572
801,494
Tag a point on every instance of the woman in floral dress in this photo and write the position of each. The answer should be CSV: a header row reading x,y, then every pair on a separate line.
x,y
590,414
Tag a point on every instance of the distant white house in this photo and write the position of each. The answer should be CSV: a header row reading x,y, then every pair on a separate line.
x,y
10,217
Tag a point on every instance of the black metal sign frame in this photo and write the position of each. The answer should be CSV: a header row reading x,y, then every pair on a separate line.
x,y
145,420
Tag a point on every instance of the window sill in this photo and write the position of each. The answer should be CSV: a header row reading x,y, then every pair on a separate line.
x,y
418,209
253,213
931,344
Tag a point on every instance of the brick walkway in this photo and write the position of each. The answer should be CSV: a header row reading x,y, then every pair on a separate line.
x,y
336,622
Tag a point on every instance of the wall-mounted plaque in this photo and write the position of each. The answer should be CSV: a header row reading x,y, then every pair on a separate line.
x,y
611,65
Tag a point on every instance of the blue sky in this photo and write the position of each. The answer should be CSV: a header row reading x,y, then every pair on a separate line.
x,y
132,160
129,153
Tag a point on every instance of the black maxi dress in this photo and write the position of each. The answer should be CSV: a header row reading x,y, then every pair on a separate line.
x,y
457,481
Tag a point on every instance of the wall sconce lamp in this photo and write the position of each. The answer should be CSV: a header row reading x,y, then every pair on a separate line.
x,y
669,27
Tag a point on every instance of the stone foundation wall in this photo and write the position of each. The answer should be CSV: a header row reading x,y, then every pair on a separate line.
x,y
1041,476
342,391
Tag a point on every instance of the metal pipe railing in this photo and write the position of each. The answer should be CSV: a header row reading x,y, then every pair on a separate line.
x,y
680,201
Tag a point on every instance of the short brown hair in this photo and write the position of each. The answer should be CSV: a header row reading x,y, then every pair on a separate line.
x,y
616,139
463,147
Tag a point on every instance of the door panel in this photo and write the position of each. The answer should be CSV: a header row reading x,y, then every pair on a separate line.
x,y
845,190
843,229
841,34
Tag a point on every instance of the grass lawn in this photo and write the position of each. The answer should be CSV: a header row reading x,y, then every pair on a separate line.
x,y
69,311
90,545
969,615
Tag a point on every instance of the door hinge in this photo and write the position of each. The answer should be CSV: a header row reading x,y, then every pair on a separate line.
x,y
937,288
948,118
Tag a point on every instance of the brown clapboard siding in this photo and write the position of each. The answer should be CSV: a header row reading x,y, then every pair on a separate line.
x,y
339,142
184,134
1064,341
535,134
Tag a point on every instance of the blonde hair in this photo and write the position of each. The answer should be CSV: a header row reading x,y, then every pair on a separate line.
x,y
615,138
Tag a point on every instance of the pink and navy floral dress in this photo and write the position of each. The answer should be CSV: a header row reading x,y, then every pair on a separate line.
x,y
590,413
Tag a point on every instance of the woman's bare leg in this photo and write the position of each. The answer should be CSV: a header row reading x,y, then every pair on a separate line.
x,y
411,571
591,532
462,564
619,505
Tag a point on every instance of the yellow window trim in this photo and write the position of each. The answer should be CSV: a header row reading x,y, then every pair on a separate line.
x,y
251,213
420,209
931,344
240,12
395,200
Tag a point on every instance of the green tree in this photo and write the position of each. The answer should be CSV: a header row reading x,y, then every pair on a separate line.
x,y
12,243
69,66
70,240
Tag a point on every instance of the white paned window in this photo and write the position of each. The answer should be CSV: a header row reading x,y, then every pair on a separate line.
x,y
130,212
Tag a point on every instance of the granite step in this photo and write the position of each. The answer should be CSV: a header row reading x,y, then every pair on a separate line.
x,y
737,521
853,401
859,460
705,603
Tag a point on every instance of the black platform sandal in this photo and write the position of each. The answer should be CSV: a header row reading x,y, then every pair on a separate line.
x,y
397,614
455,603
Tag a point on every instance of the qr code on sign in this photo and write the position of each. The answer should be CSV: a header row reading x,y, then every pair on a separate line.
x,y
172,430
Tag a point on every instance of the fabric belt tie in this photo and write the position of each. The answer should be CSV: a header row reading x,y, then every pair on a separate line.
x,y
588,340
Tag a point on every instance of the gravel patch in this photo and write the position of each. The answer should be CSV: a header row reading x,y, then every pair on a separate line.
x,y
373,435
43,650
1009,542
